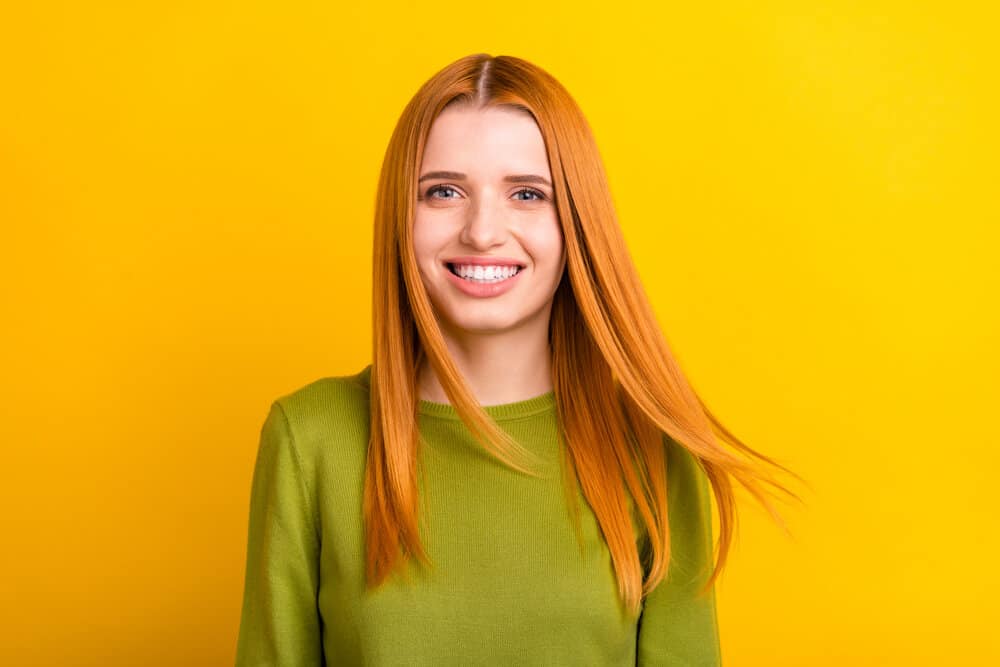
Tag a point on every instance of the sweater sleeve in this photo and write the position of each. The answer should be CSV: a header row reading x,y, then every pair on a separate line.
x,y
677,626
280,623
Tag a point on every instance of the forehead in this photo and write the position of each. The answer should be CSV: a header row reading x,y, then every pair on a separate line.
x,y
484,141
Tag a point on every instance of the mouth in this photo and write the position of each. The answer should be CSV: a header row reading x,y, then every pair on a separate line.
x,y
484,275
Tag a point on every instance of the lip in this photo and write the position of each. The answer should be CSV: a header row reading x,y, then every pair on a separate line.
x,y
484,261
483,290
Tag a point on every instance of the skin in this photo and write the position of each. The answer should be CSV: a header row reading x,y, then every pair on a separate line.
x,y
500,344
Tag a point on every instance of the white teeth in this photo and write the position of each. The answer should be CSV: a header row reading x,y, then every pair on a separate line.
x,y
485,274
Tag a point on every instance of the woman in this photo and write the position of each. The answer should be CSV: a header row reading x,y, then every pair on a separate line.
x,y
509,479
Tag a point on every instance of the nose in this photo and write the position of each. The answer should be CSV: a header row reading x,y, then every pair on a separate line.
x,y
485,225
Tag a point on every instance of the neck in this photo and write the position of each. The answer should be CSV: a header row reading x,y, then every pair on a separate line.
x,y
503,367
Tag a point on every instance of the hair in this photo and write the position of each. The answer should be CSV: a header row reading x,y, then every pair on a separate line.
x,y
619,390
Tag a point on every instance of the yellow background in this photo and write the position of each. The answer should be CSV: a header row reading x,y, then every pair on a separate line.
x,y
186,199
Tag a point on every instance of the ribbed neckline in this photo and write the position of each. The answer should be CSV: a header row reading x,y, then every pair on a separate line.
x,y
500,412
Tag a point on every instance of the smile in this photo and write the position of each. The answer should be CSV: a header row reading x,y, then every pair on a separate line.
x,y
484,274
484,281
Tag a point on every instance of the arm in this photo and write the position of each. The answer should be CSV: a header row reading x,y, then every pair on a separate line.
x,y
280,623
677,627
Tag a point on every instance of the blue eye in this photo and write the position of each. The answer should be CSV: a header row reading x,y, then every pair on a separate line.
x,y
538,196
531,191
435,188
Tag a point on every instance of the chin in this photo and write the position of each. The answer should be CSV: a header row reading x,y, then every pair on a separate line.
x,y
481,326
467,322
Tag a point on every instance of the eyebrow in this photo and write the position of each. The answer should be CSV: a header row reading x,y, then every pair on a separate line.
x,y
513,178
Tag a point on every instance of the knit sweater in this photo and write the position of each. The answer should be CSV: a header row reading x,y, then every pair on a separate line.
x,y
509,584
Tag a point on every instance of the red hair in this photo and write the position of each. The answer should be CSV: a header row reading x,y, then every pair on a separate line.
x,y
618,388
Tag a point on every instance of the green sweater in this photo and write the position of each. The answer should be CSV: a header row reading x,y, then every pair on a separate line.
x,y
509,585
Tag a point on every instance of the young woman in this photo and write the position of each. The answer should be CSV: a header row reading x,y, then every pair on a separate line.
x,y
521,475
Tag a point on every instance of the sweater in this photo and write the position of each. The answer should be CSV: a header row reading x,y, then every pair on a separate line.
x,y
509,585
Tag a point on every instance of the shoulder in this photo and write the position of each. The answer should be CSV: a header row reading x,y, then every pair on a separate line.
x,y
327,414
339,396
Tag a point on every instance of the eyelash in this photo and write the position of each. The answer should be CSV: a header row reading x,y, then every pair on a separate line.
x,y
431,190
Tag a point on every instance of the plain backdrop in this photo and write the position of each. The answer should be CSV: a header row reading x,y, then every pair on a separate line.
x,y
186,201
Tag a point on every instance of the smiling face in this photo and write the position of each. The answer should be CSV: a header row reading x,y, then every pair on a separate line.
x,y
495,207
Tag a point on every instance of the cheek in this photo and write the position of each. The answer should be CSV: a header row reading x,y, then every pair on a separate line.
x,y
426,240
547,244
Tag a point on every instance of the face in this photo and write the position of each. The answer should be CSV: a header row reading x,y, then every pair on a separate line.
x,y
494,208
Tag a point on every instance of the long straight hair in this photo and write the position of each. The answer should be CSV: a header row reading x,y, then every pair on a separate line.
x,y
618,388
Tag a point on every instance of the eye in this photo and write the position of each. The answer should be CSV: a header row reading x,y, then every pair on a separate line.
x,y
441,188
431,191
531,191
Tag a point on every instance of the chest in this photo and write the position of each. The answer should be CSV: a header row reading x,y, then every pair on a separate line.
x,y
510,580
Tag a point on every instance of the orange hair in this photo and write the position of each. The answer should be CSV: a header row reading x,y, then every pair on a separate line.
x,y
617,385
